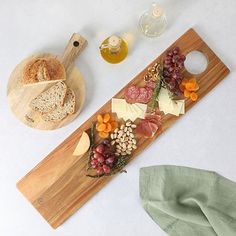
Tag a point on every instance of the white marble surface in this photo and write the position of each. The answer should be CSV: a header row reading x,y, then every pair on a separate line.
x,y
203,138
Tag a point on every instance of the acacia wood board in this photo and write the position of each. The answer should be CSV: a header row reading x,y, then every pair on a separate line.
x,y
58,185
19,96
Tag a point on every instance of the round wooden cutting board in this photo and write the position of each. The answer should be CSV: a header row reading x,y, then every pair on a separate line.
x,y
19,96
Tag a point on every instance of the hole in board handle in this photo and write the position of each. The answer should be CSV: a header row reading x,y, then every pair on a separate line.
x,y
76,44
196,62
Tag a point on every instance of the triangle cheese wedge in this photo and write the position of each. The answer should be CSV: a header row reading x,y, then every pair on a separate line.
x,y
83,145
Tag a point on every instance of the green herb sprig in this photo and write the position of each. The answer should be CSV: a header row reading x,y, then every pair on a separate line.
x,y
92,142
157,88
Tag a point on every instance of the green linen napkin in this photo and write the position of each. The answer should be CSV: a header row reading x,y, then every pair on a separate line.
x,y
189,202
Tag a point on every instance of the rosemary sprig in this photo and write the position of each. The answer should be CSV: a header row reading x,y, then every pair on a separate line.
x,y
91,144
157,89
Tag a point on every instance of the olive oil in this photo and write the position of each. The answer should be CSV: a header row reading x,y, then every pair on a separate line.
x,y
114,49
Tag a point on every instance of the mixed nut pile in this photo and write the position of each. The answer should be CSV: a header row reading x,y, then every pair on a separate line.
x,y
123,139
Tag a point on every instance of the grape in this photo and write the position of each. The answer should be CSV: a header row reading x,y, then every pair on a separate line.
x,y
106,141
176,50
171,84
175,59
170,69
183,58
107,154
168,58
167,61
181,65
170,53
101,159
97,155
94,163
174,76
100,170
106,169
110,160
166,73
100,148
173,67
167,80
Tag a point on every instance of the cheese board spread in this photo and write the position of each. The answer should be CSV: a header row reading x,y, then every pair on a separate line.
x,y
121,129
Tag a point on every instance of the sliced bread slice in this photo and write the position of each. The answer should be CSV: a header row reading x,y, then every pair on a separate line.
x,y
62,111
50,99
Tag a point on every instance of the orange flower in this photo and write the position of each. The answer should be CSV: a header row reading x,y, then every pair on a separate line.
x,y
105,124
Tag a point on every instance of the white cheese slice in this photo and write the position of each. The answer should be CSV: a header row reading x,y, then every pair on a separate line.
x,y
128,111
169,106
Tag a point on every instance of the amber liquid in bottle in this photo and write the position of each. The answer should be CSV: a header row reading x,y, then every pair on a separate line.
x,y
114,49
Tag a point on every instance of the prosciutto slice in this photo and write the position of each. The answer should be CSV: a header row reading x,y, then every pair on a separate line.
x,y
148,126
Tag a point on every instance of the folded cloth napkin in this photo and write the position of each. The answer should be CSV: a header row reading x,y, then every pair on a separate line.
x,y
189,202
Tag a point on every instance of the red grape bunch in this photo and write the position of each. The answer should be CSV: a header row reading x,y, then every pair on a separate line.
x,y
173,67
103,158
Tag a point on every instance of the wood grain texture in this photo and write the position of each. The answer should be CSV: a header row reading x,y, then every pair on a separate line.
x,y
19,96
58,185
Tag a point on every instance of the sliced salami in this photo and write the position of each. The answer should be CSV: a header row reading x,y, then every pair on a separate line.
x,y
136,94
132,93
150,92
143,95
151,84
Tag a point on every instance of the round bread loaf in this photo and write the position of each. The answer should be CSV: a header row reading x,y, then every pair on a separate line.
x,y
43,70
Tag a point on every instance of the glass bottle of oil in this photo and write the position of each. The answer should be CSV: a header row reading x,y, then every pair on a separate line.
x,y
114,49
153,22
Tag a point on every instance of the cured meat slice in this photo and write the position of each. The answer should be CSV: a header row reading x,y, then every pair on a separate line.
x,y
149,92
131,94
143,95
151,84
148,126
143,129
135,94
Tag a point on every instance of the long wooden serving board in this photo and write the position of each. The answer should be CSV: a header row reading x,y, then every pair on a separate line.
x,y
58,185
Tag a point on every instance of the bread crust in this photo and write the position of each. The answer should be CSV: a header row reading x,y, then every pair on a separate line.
x,y
43,70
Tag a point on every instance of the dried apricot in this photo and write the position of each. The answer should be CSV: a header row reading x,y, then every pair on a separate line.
x,y
99,118
196,87
103,134
189,86
108,128
186,93
184,81
106,117
101,127
114,125
193,81
193,96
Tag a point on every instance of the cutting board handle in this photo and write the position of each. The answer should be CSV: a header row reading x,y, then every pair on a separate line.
x,y
73,49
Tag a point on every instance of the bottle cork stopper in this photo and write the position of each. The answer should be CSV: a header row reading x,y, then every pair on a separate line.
x,y
157,11
114,41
